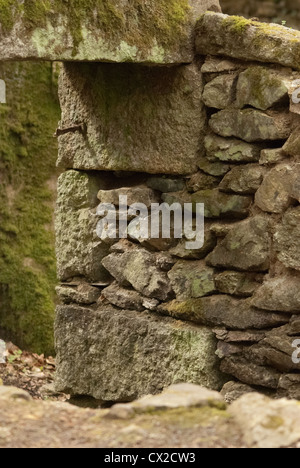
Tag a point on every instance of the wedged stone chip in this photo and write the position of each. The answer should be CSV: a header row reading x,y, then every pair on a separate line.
x,y
230,150
166,185
292,146
115,355
223,311
134,195
219,64
244,179
272,156
287,239
192,279
233,36
156,32
252,125
274,194
209,244
237,283
218,204
247,336
281,294
138,268
123,298
141,119
267,423
216,169
220,92
82,294
79,250
246,247
261,88
202,181
249,372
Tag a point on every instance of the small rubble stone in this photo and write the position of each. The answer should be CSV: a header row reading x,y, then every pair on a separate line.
x,y
230,150
244,180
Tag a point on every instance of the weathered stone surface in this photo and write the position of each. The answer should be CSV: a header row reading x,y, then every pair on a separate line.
x,y
287,239
292,146
246,247
209,244
218,204
237,283
82,294
184,395
232,391
202,181
251,125
192,280
223,311
220,92
261,88
177,197
237,37
244,179
216,169
281,294
146,125
274,194
267,423
134,195
249,372
271,156
79,250
138,268
123,298
230,150
101,31
289,386
2,352
166,185
122,355
247,336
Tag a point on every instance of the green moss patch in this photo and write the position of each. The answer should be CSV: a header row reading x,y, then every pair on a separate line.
x,y
137,22
27,167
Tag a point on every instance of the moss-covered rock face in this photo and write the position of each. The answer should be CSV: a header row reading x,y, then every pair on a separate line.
x,y
154,31
235,36
27,162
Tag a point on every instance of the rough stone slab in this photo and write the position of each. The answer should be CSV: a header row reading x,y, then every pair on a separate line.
x,y
271,156
237,37
250,373
281,294
138,118
237,283
182,395
232,391
287,239
244,180
267,423
202,181
246,247
134,195
79,250
123,298
274,194
261,88
138,268
192,279
252,125
230,150
289,385
223,311
154,32
292,146
123,355
220,92
82,294
218,204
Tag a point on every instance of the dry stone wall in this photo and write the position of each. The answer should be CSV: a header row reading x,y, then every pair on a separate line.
x,y
139,314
